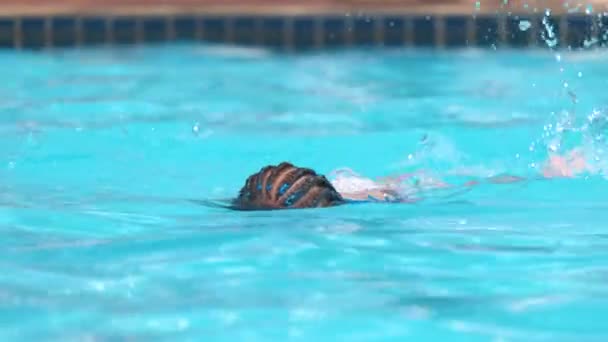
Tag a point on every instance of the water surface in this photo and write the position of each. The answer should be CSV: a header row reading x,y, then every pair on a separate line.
x,y
101,152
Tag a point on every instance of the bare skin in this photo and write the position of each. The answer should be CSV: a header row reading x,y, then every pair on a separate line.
x,y
569,165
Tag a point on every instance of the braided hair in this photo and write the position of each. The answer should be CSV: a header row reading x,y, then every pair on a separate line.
x,y
286,186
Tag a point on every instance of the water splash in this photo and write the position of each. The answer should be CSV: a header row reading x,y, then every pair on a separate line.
x,y
548,34
524,25
565,135
595,142
587,43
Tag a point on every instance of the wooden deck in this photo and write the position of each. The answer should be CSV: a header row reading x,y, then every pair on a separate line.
x,y
288,7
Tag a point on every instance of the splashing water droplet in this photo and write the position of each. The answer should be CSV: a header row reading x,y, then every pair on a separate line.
x,y
553,147
196,128
524,25
558,57
548,34
589,9
589,42
565,84
594,114
580,74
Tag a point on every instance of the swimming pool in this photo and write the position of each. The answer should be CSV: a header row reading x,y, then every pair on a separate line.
x,y
103,150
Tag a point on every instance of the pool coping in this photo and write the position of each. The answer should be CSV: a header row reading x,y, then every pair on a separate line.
x,y
299,27
293,7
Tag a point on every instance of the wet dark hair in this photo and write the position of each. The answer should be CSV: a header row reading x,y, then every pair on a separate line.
x,y
286,186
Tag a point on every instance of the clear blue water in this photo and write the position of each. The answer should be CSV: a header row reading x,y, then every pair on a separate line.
x,y
101,151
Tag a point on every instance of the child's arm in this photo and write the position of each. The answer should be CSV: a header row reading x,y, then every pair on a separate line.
x,y
394,188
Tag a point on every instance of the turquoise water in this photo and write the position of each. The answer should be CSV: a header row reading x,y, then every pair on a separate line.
x,y
102,151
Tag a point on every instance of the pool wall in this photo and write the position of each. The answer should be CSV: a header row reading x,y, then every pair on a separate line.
x,y
301,25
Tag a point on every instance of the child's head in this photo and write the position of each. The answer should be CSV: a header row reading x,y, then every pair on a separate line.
x,y
286,186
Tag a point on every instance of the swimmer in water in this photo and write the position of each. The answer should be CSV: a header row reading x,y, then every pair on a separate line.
x,y
286,186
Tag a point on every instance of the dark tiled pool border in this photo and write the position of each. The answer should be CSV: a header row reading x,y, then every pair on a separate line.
x,y
303,32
